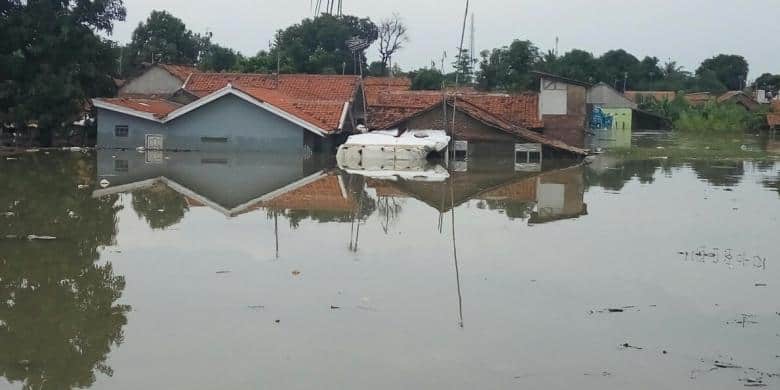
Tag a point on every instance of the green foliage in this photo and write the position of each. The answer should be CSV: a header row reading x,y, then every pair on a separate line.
x,y
164,38
52,59
427,79
318,45
464,66
161,206
59,317
219,59
717,117
508,68
768,82
730,70
377,69
262,62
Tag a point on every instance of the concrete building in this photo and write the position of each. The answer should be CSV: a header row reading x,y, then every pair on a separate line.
x,y
158,80
222,111
479,117
626,114
563,108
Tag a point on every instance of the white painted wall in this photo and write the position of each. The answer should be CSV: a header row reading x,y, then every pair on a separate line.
x,y
553,97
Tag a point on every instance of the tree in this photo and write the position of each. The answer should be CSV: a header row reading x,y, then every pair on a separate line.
x,y
508,68
52,59
730,70
768,82
464,66
318,45
427,79
164,38
262,62
218,59
618,65
392,36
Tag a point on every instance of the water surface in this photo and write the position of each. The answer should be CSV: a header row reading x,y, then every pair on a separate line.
x,y
653,267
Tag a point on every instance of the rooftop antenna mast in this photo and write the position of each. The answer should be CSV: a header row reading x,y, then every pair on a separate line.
x,y
472,48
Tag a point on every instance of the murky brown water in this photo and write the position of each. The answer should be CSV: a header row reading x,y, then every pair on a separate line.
x,y
204,271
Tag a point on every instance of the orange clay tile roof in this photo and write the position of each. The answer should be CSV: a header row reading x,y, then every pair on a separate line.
x,y
159,107
181,72
317,99
389,108
773,119
373,86
490,119
298,86
776,106
323,194
520,110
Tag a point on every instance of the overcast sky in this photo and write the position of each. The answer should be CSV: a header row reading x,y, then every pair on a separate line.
x,y
687,31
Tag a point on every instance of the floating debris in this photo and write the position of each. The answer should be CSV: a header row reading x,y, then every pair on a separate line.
x,y
629,346
296,272
334,307
614,309
223,271
36,237
277,321
9,214
719,364
104,183
11,158
33,150
256,307
760,284
82,186
11,236
746,319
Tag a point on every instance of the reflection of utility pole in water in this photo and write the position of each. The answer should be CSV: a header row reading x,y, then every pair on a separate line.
x,y
354,230
455,250
276,231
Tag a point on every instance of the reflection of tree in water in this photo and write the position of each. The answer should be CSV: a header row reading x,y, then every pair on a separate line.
x,y
719,173
512,209
161,206
389,208
624,171
58,313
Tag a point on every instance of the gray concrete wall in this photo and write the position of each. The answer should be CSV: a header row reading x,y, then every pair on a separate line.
x,y
245,126
155,81
607,97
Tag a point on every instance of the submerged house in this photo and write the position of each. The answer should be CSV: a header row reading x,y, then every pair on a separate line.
x,y
224,111
501,119
626,113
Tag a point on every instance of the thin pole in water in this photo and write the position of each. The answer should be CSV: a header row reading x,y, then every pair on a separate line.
x,y
457,71
455,251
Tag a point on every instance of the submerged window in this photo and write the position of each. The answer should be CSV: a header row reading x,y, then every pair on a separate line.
x,y
214,139
121,131
121,165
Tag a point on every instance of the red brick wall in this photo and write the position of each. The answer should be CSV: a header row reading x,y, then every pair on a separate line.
x,y
567,128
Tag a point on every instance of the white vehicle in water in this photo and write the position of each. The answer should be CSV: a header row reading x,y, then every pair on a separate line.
x,y
388,145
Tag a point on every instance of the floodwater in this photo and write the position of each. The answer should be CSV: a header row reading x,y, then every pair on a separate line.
x,y
657,267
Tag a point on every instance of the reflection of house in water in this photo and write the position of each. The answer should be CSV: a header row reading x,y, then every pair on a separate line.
x,y
232,184
540,197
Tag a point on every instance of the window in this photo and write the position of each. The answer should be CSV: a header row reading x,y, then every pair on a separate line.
x,y
121,165
121,131
213,139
